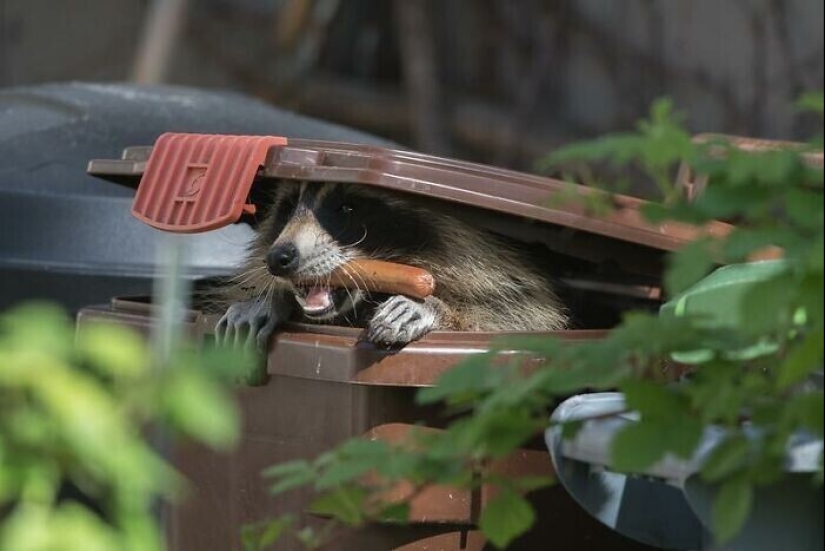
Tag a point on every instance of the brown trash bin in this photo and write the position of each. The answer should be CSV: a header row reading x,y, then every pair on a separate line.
x,y
325,386
323,389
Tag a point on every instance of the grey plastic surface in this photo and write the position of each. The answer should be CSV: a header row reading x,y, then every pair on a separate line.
x,y
70,237
668,505
644,509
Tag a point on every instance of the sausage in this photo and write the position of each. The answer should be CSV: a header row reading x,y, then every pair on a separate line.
x,y
384,277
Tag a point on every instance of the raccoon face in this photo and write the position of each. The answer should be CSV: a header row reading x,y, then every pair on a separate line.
x,y
316,228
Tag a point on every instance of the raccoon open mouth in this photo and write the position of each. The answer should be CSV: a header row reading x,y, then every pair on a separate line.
x,y
319,302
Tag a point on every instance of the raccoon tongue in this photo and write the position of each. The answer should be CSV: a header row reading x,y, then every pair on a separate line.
x,y
317,299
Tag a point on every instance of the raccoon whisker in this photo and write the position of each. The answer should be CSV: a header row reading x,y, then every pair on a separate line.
x,y
349,273
251,270
271,292
363,237
248,273
352,274
249,276
260,291
346,272
265,288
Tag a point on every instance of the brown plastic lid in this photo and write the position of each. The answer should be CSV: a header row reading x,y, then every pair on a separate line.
x,y
171,172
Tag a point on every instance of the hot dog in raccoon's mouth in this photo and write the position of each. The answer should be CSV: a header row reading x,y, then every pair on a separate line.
x,y
376,276
325,297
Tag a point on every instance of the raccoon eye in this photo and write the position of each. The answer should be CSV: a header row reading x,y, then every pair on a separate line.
x,y
346,208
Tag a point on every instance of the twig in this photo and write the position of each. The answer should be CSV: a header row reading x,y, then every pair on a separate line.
x,y
161,31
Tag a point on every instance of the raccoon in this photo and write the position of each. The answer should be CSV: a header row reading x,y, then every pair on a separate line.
x,y
482,283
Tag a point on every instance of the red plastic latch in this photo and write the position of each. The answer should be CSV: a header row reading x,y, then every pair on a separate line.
x,y
199,182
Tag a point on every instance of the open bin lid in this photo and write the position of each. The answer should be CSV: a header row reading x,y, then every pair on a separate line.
x,y
197,182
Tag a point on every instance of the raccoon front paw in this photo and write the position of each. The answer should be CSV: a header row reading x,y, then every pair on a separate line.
x,y
401,320
248,324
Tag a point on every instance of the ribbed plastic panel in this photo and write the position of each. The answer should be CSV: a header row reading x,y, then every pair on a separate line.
x,y
199,182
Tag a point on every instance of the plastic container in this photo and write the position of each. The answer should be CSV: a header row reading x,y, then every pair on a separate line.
x,y
669,505
323,389
719,298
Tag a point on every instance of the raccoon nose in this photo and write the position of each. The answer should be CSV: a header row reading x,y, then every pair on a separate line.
x,y
282,260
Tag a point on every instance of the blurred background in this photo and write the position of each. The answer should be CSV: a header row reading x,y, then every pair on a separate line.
x,y
496,81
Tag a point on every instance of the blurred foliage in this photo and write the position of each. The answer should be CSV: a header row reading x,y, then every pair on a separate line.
x,y
76,410
776,199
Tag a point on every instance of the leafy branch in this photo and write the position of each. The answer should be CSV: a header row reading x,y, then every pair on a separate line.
x,y
776,200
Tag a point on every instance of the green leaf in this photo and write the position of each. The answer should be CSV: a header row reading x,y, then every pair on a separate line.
x,y
727,458
287,469
466,379
113,350
620,147
293,474
570,429
802,360
84,413
506,517
651,399
641,444
38,326
637,447
395,512
727,201
802,206
769,305
259,536
732,508
353,459
225,363
201,409
687,266
345,470
811,101
502,431
529,484
815,256
743,242
716,393
344,503
806,411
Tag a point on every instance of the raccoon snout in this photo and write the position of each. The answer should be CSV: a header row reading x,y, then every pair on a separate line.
x,y
282,260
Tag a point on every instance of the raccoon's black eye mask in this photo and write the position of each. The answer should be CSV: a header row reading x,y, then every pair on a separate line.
x,y
376,224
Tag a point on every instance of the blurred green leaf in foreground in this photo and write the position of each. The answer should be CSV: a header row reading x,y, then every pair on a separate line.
x,y
76,470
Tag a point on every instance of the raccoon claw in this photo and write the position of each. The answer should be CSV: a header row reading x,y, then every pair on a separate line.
x,y
247,325
401,320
